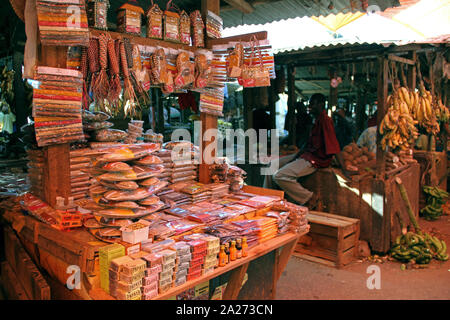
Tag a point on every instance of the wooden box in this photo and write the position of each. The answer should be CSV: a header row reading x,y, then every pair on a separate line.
x,y
332,239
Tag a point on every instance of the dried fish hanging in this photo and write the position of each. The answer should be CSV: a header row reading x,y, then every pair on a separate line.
x,y
100,87
115,87
97,12
129,96
154,22
62,23
185,28
197,29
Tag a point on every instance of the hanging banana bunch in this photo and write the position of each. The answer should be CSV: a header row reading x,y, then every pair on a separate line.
x,y
6,84
398,126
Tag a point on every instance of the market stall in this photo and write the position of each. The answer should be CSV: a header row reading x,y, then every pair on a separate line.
x,y
366,190
135,216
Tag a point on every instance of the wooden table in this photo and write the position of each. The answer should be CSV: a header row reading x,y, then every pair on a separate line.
x,y
284,244
53,251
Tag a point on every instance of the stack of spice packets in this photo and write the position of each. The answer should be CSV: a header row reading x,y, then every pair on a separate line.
x,y
183,251
165,156
62,23
106,255
135,131
130,280
57,106
150,283
212,248
198,253
115,268
168,270
218,190
214,25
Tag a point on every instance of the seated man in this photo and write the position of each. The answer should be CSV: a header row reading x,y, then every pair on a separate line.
x,y
322,145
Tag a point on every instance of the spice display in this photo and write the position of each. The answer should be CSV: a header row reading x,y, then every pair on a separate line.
x,y
185,68
62,23
185,28
129,17
211,101
254,74
57,106
235,61
154,22
197,29
171,25
97,13
202,71
115,87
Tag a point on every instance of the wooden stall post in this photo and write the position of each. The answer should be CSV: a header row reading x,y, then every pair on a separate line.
x,y
412,71
208,121
381,111
291,104
56,179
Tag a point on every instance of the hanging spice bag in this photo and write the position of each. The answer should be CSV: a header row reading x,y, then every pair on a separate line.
x,y
185,28
197,29
253,75
129,18
235,61
97,13
154,22
171,24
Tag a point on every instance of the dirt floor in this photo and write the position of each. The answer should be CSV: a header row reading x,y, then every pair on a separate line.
x,y
305,280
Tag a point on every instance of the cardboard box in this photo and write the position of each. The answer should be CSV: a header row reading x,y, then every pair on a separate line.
x,y
135,232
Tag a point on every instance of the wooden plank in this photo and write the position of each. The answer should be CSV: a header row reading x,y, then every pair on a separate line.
x,y
235,282
29,276
11,284
327,221
314,259
211,5
31,45
284,257
254,253
381,111
143,40
393,57
334,216
246,37
328,242
207,122
320,229
348,256
56,172
317,252
263,191
412,72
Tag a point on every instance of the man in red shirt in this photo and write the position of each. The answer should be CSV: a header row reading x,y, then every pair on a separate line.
x,y
318,153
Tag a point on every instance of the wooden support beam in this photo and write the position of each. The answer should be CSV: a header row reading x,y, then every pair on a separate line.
x,y
31,30
291,103
261,35
241,5
393,57
210,5
159,110
381,111
208,122
235,282
412,71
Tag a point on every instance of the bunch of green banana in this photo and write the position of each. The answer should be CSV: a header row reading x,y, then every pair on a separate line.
x,y
398,126
6,84
418,247
442,112
435,199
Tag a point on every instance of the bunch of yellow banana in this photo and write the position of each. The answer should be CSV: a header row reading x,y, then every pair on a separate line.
x,y
442,112
398,125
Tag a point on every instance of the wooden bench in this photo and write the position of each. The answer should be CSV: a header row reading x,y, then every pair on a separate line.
x,y
332,239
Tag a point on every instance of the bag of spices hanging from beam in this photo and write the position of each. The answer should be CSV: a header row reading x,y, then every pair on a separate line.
x,y
129,17
97,12
185,28
154,22
197,29
253,75
171,24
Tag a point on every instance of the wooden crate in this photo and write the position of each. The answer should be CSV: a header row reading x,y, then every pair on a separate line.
x,y
331,240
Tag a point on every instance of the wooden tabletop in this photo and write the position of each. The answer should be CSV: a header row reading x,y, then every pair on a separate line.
x,y
254,253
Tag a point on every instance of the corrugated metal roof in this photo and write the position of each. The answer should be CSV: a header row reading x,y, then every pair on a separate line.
x,y
329,45
287,9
